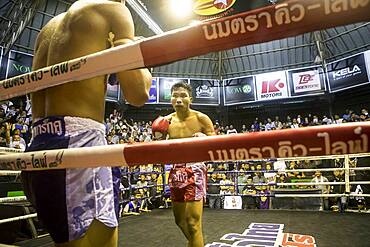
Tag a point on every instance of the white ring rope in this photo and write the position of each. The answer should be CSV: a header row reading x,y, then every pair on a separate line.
x,y
24,217
9,173
13,199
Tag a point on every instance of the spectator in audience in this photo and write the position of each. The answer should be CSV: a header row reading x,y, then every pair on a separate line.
x,y
347,115
269,125
295,124
226,187
269,175
133,206
249,192
3,142
259,179
242,179
263,199
231,130
278,125
340,202
214,192
337,119
360,199
319,178
15,141
244,129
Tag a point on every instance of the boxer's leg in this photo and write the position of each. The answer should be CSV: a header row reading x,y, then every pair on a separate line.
x,y
179,211
193,218
98,235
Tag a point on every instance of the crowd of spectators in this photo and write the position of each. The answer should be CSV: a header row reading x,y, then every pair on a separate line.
x,y
256,181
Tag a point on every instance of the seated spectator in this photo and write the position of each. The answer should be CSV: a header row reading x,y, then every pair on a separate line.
x,y
226,185
278,125
142,186
259,179
326,120
244,129
337,119
270,176
269,125
231,130
133,206
281,178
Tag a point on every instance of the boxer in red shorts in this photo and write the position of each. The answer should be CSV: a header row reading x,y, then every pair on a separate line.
x,y
188,182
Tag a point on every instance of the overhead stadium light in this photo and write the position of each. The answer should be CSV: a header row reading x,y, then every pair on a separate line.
x,y
181,8
144,16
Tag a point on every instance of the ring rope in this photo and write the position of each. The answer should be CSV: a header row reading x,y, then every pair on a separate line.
x,y
309,141
9,173
13,199
305,16
24,217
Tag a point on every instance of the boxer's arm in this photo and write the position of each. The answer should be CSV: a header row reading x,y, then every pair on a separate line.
x,y
207,125
135,84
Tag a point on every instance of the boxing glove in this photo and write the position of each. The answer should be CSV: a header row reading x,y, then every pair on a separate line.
x,y
160,128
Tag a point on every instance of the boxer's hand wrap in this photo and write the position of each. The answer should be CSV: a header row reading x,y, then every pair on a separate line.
x,y
160,128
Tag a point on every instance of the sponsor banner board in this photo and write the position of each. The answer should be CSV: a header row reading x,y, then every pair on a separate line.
x,y
270,86
205,92
239,90
347,73
18,63
153,92
306,81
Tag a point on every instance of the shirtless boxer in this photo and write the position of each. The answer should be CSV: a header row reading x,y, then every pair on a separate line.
x,y
77,206
188,182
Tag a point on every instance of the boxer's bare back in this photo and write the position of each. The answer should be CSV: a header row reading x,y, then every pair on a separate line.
x,y
84,29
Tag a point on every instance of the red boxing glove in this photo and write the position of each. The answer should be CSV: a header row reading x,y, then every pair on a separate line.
x,y
160,127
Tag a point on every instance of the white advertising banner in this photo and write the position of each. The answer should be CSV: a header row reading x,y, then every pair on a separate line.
x,y
306,81
271,86
367,61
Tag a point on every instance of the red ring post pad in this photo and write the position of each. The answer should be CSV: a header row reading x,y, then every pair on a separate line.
x,y
309,141
346,138
261,25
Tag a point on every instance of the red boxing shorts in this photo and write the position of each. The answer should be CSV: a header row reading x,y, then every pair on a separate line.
x,y
188,182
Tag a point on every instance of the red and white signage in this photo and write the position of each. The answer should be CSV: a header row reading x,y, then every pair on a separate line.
x,y
271,86
306,81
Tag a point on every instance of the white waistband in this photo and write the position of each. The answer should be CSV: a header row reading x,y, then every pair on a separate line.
x,y
74,124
